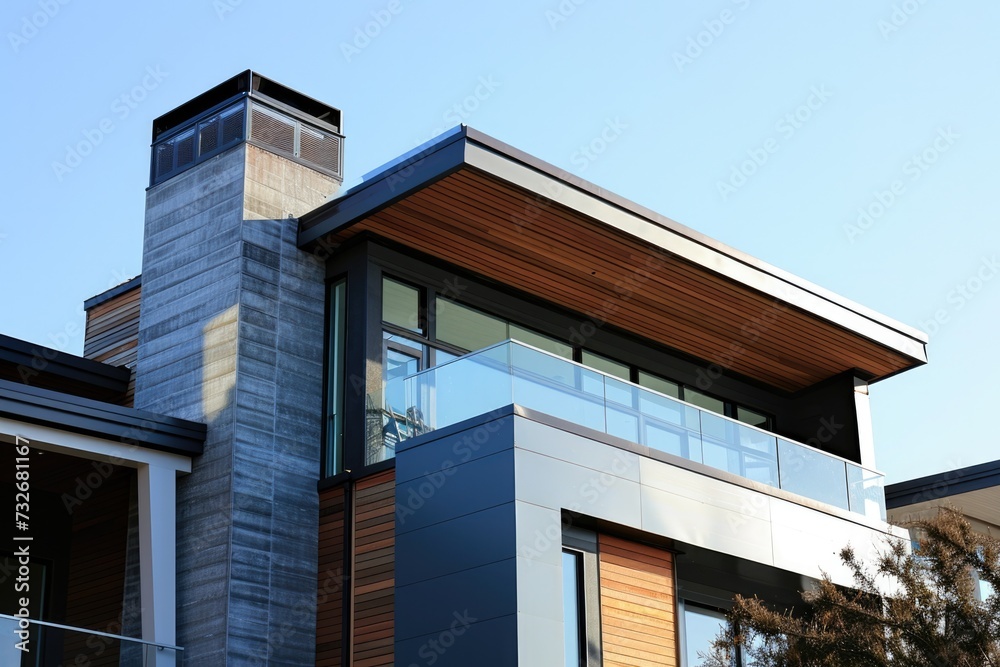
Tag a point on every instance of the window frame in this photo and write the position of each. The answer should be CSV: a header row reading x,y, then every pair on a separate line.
x,y
332,456
584,542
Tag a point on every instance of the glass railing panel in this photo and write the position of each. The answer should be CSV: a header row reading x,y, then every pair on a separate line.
x,y
623,416
739,449
55,644
458,390
669,425
557,387
511,372
812,473
866,492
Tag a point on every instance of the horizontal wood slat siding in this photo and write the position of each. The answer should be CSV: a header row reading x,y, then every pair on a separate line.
x,y
330,586
638,625
496,230
97,572
112,334
374,570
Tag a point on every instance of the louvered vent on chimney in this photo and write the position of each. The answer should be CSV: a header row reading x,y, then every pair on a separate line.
x,y
250,108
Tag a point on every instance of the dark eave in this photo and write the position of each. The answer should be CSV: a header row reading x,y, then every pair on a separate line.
x,y
470,190
39,366
103,420
942,485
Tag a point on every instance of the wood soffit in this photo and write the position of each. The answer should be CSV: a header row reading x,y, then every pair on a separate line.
x,y
487,214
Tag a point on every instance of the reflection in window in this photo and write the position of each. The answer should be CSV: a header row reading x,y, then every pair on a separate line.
x,y
701,626
401,305
334,455
752,417
398,422
656,383
985,590
466,328
704,401
573,634
606,365
542,342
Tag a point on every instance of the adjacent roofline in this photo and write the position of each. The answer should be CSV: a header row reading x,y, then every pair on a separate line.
x,y
464,147
109,294
61,366
103,420
943,484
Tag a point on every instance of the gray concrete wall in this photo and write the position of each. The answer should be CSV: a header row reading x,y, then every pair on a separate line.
x,y
231,333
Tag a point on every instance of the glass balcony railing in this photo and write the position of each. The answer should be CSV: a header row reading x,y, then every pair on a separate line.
x,y
57,644
512,372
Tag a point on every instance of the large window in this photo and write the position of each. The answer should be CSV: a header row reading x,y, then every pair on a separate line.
x,y
581,599
574,628
422,328
333,459
401,305
701,626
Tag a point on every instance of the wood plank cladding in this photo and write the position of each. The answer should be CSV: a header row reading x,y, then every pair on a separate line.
x,y
370,528
112,334
374,570
96,579
330,585
638,624
497,230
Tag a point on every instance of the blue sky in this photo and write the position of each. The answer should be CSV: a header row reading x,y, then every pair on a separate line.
x,y
853,143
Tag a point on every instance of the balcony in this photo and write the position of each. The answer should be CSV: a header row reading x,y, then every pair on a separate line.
x,y
514,373
54,643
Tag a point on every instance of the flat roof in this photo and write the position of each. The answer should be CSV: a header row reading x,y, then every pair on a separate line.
x,y
104,420
472,195
39,366
943,485
111,293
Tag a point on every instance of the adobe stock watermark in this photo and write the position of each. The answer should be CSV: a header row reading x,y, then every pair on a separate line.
x,y
33,23
121,108
625,290
589,153
754,504
22,538
463,451
432,650
365,34
751,331
703,39
562,12
913,168
786,127
461,111
225,7
901,14
302,615
41,357
961,295
590,491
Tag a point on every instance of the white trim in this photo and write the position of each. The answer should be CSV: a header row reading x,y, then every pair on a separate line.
x,y
157,559
51,439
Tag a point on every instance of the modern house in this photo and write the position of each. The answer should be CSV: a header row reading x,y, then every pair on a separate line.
x,y
973,490
471,411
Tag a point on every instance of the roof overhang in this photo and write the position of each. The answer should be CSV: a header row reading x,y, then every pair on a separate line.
x,y
474,202
975,491
129,426
47,368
